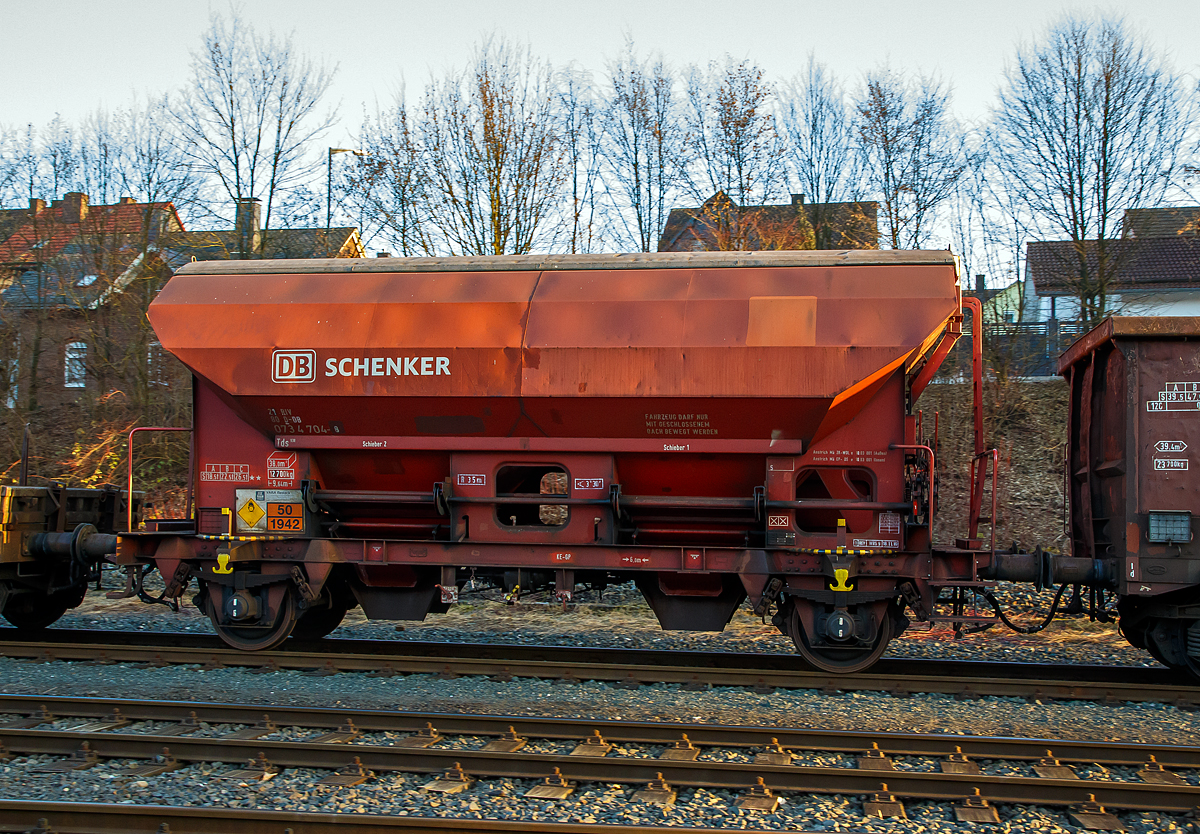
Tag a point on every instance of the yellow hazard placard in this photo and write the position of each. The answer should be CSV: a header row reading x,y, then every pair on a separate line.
x,y
250,512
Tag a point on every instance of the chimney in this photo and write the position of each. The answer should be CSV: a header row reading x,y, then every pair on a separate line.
x,y
74,207
383,254
126,201
797,200
249,224
980,286
36,206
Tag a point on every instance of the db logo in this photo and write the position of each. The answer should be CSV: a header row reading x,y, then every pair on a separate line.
x,y
294,366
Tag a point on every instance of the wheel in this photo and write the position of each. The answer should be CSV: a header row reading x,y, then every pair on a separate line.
x,y
257,638
316,623
36,609
1156,652
844,660
1134,634
1167,642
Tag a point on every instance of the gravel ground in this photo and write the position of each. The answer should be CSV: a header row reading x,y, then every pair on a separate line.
x,y
402,794
616,619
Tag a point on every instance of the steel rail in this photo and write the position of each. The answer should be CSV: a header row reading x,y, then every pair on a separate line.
x,y
98,818
627,668
781,661
802,779
642,732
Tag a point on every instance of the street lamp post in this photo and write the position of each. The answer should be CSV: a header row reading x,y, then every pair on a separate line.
x,y
329,181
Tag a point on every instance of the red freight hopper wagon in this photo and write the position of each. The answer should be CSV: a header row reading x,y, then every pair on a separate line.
x,y
711,425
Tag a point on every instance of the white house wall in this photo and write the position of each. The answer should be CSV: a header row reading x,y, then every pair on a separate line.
x,y
1175,303
1166,303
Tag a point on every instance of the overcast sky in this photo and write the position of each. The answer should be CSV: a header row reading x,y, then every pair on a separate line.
x,y
71,56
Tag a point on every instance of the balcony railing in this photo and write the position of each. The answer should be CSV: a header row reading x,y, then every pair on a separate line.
x,y
1022,349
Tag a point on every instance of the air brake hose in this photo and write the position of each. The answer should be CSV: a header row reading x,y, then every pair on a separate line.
x,y
990,597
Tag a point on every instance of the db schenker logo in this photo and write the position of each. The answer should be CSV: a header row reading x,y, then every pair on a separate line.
x,y
294,366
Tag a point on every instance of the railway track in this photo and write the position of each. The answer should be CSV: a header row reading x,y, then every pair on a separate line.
x,y
739,758
623,667
77,818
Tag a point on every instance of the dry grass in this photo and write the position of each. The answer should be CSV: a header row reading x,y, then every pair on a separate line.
x,y
1026,421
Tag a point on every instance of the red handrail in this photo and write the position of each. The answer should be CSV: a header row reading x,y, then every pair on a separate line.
x,y
979,470
129,479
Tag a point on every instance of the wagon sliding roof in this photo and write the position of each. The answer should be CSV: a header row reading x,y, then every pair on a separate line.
x,y
550,263
762,344
1130,327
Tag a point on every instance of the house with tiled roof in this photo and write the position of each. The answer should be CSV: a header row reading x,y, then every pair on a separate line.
x,y
1154,268
721,224
76,279
73,279
74,254
247,239
1162,222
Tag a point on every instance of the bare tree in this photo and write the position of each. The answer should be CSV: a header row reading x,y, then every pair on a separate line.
x,y
43,163
101,156
27,178
581,128
389,187
158,165
970,213
643,143
492,152
46,163
733,143
734,152
250,116
75,299
152,167
1090,122
9,169
819,128
60,154
914,152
